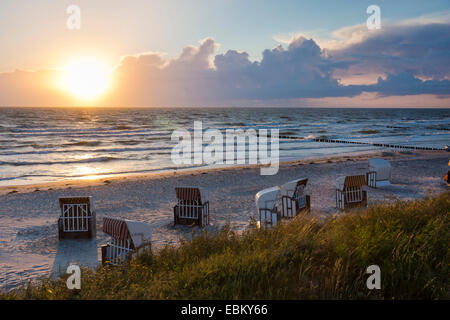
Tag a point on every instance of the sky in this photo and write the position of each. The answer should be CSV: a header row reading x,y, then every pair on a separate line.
x,y
225,53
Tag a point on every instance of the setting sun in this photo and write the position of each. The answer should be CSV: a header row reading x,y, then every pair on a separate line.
x,y
86,79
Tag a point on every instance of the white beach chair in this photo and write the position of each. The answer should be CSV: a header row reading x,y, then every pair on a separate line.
x,y
190,209
127,239
77,218
379,174
350,193
293,198
266,205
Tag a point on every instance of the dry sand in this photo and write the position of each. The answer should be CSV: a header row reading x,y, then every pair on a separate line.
x,y
29,246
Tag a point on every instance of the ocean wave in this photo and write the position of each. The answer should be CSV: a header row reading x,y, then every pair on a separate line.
x,y
8,178
85,143
289,133
113,129
128,142
124,127
75,151
99,135
42,146
258,127
141,138
64,130
369,131
35,163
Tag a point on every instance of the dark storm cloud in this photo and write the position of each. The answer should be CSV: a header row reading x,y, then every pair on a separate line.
x,y
423,50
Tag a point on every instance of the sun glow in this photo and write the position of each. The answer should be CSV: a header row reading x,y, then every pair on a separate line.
x,y
89,173
86,79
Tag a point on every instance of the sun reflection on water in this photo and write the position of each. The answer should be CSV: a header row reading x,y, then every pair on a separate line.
x,y
88,173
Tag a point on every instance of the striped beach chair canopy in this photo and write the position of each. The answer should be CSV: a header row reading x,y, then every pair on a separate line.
x,y
355,181
350,182
188,194
123,229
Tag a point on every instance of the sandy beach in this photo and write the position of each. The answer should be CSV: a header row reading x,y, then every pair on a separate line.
x,y
28,232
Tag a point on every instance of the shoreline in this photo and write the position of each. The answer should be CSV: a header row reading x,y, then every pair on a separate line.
x,y
90,181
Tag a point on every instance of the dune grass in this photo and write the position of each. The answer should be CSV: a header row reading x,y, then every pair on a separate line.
x,y
302,259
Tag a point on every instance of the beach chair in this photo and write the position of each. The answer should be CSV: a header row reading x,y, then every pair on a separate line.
x,y
350,193
379,174
293,198
128,238
266,201
77,218
190,209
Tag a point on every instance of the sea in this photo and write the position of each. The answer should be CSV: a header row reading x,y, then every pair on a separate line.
x,y
55,144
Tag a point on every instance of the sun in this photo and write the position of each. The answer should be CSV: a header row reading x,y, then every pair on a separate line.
x,y
86,78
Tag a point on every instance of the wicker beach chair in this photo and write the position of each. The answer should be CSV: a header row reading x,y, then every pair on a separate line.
x,y
293,198
190,209
379,174
266,201
128,238
77,218
350,193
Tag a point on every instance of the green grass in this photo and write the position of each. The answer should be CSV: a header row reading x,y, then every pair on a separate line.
x,y
302,259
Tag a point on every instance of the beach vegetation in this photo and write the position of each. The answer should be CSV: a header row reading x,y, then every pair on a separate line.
x,y
305,258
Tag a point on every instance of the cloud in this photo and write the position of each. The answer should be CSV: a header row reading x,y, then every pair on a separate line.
x,y
404,59
300,70
420,49
149,59
435,17
196,58
148,79
406,84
